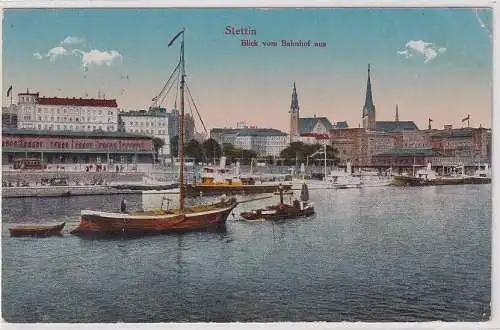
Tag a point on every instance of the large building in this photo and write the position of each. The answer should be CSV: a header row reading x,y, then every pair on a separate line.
x,y
66,114
402,143
153,122
473,144
309,129
9,117
173,125
264,141
62,147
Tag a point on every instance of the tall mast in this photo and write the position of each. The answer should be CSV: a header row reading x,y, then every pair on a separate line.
x,y
181,131
181,123
324,174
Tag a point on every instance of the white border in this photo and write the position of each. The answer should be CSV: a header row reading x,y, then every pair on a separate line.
x,y
494,323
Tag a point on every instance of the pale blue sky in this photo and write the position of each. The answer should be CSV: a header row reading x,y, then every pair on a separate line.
x,y
232,83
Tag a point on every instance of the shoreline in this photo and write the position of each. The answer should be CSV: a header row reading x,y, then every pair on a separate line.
x,y
63,191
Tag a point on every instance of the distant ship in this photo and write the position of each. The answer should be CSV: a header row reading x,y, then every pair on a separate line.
x,y
217,180
428,177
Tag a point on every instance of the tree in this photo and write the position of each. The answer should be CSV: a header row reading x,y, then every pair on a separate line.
x,y
318,158
296,151
299,152
194,150
211,149
174,146
158,143
247,155
228,150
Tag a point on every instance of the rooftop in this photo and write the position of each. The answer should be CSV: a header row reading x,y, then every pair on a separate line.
x,y
456,133
143,113
392,126
341,124
78,102
306,125
249,131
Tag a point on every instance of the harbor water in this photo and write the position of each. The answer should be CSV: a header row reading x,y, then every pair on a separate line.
x,y
377,254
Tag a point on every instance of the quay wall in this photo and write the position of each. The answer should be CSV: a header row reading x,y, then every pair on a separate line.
x,y
62,191
74,178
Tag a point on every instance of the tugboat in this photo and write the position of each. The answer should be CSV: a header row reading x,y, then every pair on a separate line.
x,y
222,180
282,211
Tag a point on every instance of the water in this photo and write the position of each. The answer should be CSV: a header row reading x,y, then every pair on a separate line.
x,y
380,254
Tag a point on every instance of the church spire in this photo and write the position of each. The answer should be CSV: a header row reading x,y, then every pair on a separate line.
x,y
369,107
396,118
295,100
294,116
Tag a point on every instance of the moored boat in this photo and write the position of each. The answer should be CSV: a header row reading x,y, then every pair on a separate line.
x,y
155,221
37,230
282,211
197,217
217,180
341,179
428,177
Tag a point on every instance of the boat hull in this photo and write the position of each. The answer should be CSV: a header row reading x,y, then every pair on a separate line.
x,y
95,223
217,190
286,214
37,231
413,181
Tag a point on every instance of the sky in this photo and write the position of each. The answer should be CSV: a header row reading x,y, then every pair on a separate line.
x,y
433,62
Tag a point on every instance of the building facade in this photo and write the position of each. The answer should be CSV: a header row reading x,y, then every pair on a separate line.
x,y
264,141
61,147
472,144
153,123
66,114
173,125
9,117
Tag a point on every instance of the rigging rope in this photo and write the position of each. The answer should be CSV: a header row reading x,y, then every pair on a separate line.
x,y
166,93
155,103
197,112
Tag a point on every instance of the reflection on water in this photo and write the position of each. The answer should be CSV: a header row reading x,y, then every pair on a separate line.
x,y
380,254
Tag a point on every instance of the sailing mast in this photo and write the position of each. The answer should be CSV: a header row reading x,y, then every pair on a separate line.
x,y
181,124
324,174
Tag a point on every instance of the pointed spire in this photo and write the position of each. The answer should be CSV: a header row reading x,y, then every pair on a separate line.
x,y
369,107
396,118
295,100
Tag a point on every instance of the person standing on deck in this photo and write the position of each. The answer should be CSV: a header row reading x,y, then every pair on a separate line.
x,y
123,206
280,190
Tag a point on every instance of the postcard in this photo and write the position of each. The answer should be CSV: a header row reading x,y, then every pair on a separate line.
x,y
171,165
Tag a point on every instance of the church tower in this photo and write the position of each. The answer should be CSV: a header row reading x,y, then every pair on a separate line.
x,y
369,123
294,116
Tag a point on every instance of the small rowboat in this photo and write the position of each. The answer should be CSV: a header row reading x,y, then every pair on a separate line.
x,y
37,230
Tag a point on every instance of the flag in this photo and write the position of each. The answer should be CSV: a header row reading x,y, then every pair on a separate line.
x,y
176,36
154,99
9,90
466,118
430,120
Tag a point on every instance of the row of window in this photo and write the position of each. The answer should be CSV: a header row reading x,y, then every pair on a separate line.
x,y
145,131
74,110
68,119
137,123
57,127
